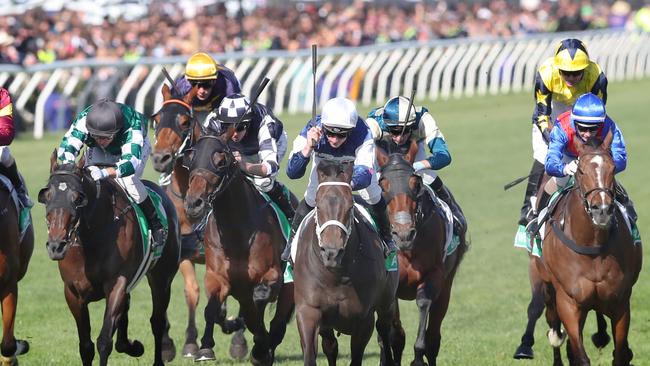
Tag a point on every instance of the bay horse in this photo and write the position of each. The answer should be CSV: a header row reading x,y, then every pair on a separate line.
x,y
426,274
589,260
243,242
340,275
15,253
94,235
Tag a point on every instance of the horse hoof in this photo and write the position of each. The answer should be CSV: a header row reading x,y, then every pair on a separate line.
x,y
168,349
8,361
204,354
238,346
190,350
22,347
600,340
132,348
267,360
523,352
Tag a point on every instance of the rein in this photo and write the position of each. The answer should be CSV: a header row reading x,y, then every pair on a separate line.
x,y
347,229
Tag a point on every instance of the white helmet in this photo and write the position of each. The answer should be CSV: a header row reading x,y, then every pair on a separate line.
x,y
339,115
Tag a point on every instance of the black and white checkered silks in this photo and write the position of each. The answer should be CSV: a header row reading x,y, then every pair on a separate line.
x,y
232,108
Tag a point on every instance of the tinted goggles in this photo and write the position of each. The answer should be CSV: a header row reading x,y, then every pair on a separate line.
x,y
336,132
591,128
397,129
571,73
202,84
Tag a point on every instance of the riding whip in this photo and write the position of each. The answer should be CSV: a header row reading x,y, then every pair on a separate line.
x,y
314,64
408,111
171,81
515,182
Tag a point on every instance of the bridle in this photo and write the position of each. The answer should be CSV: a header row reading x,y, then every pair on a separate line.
x,y
184,134
347,229
584,195
226,173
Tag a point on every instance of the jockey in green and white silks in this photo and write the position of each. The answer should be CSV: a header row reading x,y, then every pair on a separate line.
x,y
116,136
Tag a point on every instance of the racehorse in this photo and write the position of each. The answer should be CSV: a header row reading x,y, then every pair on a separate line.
x,y
14,259
589,259
340,275
426,274
242,242
94,235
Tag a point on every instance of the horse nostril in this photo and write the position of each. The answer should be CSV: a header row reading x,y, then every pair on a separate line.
x,y
165,158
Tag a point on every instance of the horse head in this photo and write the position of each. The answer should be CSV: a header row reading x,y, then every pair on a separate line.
x,y
63,198
172,125
334,210
401,188
212,167
595,179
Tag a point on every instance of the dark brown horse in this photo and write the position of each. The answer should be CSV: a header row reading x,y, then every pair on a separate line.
x,y
426,274
94,235
242,241
15,254
589,259
340,275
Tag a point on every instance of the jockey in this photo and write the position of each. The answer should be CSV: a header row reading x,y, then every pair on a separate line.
x,y
559,81
259,143
116,135
586,121
213,81
389,124
8,166
338,132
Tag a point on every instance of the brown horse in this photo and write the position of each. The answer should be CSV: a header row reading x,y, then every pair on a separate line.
x,y
589,259
425,273
14,259
94,235
340,276
242,246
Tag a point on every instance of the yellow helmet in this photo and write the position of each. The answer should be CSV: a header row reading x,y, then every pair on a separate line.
x,y
201,67
571,55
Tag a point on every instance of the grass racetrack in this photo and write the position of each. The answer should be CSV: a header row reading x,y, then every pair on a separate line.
x,y
489,139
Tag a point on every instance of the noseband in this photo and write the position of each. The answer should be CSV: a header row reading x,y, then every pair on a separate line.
x,y
184,135
347,229
584,195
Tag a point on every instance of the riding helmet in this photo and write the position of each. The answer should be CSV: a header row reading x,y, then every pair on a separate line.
x,y
395,111
232,108
588,110
201,66
571,55
104,118
339,115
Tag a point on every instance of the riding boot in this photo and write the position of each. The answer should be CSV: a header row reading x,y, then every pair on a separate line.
x,y
380,213
300,213
533,225
282,199
442,193
527,210
11,172
158,231
623,198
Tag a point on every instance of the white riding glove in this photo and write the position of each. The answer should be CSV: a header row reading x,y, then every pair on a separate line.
x,y
571,168
96,173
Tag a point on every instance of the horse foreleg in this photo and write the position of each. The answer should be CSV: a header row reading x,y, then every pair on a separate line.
x,y
79,309
330,346
573,320
192,294
122,343
437,313
621,326
253,312
213,313
359,339
535,309
115,302
600,339
423,302
308,319
397,336
9,299
283,311
160,295
555,335
385,318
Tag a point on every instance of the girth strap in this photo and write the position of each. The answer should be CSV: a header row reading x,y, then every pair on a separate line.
x,y
580,249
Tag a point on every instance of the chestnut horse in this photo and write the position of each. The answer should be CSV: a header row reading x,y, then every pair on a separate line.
x,y
15,254
242,242
340,274
426,274
94,235
589,259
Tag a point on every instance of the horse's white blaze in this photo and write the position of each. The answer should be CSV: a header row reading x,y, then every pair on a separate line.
x,y
598,161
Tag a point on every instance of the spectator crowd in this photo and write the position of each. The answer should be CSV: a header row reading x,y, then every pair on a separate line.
x,y
38,36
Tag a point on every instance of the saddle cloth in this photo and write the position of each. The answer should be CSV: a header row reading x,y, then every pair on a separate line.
x,y
24,218
451,240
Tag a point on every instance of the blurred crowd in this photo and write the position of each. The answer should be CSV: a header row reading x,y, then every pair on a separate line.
x,y
36,36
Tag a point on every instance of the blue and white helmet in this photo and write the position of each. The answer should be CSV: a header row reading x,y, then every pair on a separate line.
x,y
588,110
395,112
232,108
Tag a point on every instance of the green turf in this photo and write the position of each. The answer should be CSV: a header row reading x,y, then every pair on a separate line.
x,y
489,139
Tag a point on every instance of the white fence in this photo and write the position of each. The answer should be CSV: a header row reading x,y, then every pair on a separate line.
x,y
371,74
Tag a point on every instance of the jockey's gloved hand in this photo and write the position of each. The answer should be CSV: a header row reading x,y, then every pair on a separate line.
x,y
97,173
419,165
571,168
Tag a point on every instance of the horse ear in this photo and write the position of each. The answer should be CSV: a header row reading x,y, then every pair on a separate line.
x,y
82,161
413,150
579,145
382,156
384,184
53,163
349,171
189,97
607,142
166,92
228,134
